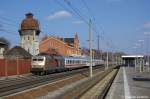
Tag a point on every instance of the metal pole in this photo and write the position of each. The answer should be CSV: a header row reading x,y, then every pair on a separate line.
x,y
143,65
147,51
90,46
107,61
135,62
98,42
17,67
116,60
140,66
98,47
33,43
6,73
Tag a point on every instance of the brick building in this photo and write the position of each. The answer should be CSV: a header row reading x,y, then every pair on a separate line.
x,y
60,46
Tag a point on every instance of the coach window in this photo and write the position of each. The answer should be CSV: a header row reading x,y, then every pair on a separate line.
x,y
68,61
80,62
77,61
28,38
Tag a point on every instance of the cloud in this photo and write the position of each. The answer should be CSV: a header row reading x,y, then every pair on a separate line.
x,y
78,22
59,15
147,25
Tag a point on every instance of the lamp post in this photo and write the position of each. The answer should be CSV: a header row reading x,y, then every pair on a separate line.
x,y
135,57
141,61
147,47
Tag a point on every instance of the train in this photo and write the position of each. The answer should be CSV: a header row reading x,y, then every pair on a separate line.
x,y
45,64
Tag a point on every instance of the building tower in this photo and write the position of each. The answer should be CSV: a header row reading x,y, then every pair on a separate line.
x,y
29,33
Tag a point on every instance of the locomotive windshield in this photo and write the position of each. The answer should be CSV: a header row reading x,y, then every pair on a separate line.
x,y
38,59
34,59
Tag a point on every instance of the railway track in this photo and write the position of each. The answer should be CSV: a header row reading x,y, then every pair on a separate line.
x,y
23,83
88,88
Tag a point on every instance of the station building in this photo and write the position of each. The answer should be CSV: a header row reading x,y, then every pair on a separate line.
x,y
60,46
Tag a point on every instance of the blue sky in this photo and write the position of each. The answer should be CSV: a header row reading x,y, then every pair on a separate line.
x,y
122,23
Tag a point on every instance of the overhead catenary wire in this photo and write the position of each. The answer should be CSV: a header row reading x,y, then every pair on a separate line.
x,y
76,11
93,18
6,23
96,25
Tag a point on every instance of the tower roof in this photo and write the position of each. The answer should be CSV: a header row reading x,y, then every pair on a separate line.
x,y
29,23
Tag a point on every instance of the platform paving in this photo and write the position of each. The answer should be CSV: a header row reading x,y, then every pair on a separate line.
x,y
126,87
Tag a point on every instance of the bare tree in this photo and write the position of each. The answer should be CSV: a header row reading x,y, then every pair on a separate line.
x,y
5,41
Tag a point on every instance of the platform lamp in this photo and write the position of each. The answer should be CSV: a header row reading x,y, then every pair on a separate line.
x,y
141,61
138,60
135,47
147,48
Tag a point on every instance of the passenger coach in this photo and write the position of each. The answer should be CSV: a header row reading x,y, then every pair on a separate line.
x,y
45,64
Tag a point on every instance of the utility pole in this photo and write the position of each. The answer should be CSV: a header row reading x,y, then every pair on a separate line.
x,y
98,42
6,68
98,47
107,57
90,45
107,61
148,50
135,62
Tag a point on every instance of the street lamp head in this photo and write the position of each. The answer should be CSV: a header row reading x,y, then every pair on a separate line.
x,y
140,40
137,44
146,33
134,47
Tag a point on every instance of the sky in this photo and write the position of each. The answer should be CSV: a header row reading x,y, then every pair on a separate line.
x,y
121,24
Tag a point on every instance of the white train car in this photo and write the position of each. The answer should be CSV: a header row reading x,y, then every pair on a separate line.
x,y
44,64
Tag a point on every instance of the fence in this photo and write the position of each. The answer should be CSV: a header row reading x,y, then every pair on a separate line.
x,y
14,66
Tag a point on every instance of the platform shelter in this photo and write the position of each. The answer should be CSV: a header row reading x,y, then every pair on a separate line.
x,y
133,60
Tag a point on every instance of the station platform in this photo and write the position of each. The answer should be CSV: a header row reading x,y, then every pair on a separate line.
x,y
130,84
